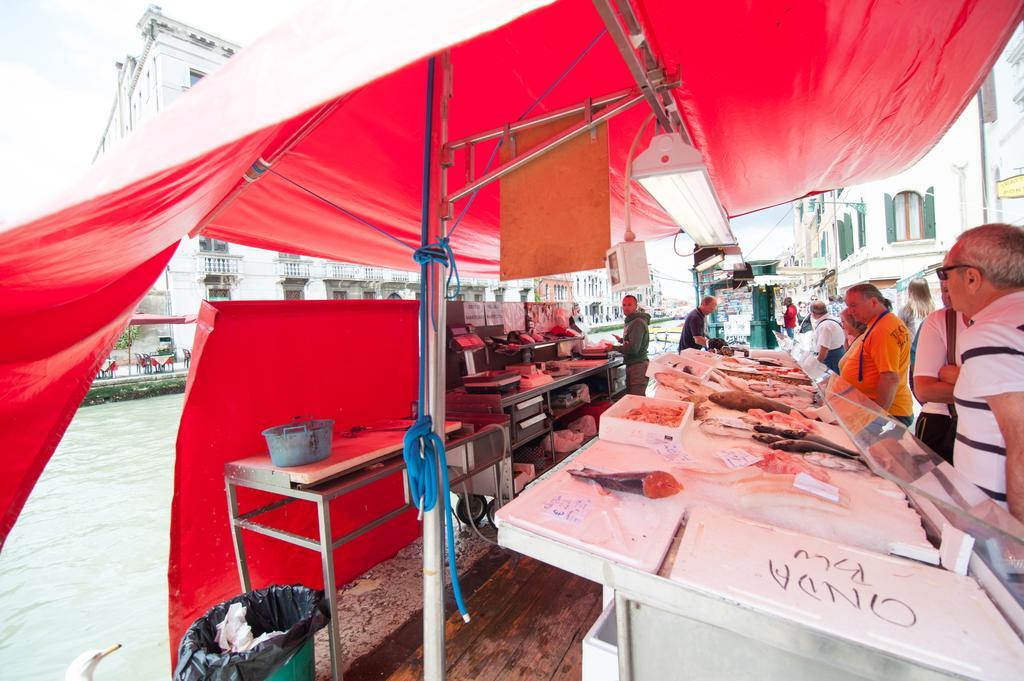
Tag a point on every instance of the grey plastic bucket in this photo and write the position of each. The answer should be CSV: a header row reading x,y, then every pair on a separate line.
x,y
300,443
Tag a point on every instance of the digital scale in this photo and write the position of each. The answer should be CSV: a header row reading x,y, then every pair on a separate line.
x,y
465,340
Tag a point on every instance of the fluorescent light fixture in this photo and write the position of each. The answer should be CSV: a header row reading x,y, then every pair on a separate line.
x,y
706,258
675,176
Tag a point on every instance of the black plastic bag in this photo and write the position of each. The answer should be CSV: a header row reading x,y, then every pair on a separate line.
x,y
297,610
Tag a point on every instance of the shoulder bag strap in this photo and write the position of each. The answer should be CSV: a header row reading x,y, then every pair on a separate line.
x,y
951,347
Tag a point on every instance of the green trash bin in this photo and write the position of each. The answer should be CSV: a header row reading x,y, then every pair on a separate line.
x,y
297,611
299,667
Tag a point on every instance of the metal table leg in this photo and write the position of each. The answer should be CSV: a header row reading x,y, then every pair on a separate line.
x,y
327,557
236,536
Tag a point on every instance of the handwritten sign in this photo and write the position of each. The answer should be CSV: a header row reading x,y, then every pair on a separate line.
x,y
737,458
842,583
474,313
492,314
567,508
671,452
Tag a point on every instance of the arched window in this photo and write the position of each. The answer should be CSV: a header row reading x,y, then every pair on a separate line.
x,y
909,210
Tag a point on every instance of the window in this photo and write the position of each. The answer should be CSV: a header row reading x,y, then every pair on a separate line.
x,y
862,233
910,216
339,295
369,295
294,294
394,296
524,295
499,296
478,297
208,245
908,207
215,294
194,77
287,256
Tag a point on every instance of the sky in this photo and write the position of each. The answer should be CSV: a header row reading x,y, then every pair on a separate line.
x,y
57,72
57,75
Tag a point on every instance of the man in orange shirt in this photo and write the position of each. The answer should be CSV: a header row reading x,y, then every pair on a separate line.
x,y
878,362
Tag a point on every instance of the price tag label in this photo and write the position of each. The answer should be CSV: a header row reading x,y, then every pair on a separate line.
x,y
737,458
671,452
567,508
816,487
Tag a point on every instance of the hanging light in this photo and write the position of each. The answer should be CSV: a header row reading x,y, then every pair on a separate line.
x,y
674,174
706,258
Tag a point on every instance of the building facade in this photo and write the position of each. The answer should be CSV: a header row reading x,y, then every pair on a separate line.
x,y
887,231
597,305
1003,112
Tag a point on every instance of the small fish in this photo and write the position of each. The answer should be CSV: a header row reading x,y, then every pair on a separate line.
x,y
783,433
725,427
767,438
806,447
835,463
651,484
742,401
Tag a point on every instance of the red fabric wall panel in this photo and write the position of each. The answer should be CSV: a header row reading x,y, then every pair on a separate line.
x,y
256,365
48,359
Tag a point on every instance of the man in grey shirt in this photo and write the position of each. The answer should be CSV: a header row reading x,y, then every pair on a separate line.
x,y
694,328
634,341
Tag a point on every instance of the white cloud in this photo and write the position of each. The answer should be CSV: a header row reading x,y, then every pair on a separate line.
x,y
62,81
47,140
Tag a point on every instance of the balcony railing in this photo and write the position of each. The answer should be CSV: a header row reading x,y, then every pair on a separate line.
x,y
361,273
212,264
293,269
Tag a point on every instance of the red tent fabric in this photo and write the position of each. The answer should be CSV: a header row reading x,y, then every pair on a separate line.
x,y
783,99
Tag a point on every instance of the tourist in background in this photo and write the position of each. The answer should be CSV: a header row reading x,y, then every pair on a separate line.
x,y
918,306
878,363
935,372
829,337
984,274
851,327
789,317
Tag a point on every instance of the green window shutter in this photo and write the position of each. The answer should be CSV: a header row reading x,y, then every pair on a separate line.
x,y
846,237
862,233
929,214
890,219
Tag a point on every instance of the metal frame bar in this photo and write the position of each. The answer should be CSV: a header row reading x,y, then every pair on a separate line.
x,y
648,73
555,115
552,143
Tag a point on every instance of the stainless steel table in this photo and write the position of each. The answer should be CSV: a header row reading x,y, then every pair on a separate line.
x,y
241,474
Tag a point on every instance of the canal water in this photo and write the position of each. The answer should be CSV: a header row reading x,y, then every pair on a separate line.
x,y
86,564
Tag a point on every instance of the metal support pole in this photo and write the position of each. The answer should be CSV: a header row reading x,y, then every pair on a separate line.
x,y
323,508
433,520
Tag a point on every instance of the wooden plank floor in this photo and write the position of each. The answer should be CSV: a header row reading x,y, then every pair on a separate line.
x,y
528,622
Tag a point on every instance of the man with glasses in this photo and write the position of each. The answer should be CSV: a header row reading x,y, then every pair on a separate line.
x,y
878,362
984,276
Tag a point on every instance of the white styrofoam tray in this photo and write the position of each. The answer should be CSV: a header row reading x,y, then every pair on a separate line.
x,y
925,614
616,428
702,356
673,362
629,529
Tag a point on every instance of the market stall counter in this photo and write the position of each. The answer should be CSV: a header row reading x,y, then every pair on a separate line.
x,y
791,558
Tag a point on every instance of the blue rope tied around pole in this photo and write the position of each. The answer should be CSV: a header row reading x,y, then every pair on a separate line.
x,y
423,449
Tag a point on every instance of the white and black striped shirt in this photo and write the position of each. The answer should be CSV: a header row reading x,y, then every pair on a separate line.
x,y
992,363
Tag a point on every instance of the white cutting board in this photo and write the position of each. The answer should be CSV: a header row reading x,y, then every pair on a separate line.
x,y
925,614
629,529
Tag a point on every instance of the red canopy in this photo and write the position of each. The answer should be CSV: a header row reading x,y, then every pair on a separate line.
x,y
782,98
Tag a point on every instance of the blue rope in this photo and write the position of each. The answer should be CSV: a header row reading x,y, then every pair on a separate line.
x,y
529,109
423,449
